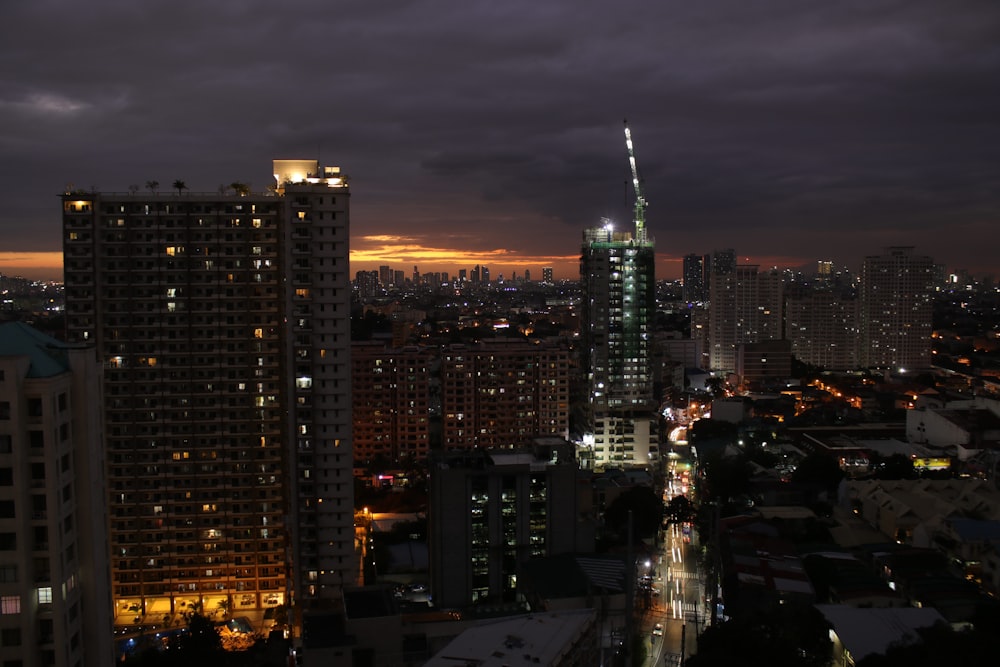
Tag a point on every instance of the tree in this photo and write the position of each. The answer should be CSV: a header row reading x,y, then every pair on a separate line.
x,y
240,188
785,636
679,509
180,186
818,469
202,644
152,186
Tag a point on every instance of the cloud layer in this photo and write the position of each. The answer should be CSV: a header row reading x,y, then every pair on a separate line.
x,y
792,128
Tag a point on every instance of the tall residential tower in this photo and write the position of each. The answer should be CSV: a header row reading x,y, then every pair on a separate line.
x,y
896,309
222,323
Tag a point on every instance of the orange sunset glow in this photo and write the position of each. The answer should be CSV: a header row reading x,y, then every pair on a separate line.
x,y
402,253
33,265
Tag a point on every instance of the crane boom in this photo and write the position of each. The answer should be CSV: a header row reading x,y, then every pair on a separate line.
x,y
640,200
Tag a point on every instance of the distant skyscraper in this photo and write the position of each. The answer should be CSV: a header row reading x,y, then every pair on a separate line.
x,y
547,274
694,278
463,275
484,275
617,277
527,275
222,323
385,276
54,573
367,284
822,327
746,307
896,291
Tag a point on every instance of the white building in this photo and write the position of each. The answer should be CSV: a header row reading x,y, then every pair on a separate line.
x,y
55,589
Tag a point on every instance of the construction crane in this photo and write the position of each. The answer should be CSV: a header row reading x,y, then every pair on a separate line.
x,y
640,200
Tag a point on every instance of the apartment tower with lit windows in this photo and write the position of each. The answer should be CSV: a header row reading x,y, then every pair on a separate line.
x,y
222,324
896,310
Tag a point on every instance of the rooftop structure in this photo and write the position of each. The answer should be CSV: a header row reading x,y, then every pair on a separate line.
x,y
554,639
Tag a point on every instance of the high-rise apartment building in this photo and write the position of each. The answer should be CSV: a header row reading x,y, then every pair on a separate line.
x,y
54,575
385,275
617,277
367,284
694,279
547,274
391,390
822,327
222,323
896,309
746,307
500,393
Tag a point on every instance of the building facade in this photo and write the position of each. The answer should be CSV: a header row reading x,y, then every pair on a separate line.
x,y
222,323
55,584
822,327
896,310
694,279
501,393
617,277
492,510
746,307
391,397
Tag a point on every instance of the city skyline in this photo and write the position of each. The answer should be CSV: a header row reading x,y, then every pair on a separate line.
x,y
492,135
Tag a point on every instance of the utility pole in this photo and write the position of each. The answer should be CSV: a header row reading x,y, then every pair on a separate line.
x,y
684,627
629,594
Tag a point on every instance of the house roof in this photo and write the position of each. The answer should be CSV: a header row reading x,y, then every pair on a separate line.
x,y
871,631
47,355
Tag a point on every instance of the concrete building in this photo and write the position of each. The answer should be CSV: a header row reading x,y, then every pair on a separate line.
x,y
694,279
822,326
764,361
222,324
490,511
500,393
969,430
391,393
895,315
617,276
746,307
55,585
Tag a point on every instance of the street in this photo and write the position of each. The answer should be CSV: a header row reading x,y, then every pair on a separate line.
x,y
676,587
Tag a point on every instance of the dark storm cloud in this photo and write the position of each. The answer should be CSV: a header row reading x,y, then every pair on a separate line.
x,y
792,128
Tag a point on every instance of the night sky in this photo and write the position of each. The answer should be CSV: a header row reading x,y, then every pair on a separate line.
x,y
491,133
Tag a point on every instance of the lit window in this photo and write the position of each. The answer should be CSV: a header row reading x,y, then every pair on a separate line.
x,y
45,595
10,604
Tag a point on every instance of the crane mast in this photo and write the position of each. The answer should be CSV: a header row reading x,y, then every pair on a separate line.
x,y
640,200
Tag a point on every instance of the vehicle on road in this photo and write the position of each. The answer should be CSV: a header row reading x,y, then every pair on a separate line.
x,y
658,630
